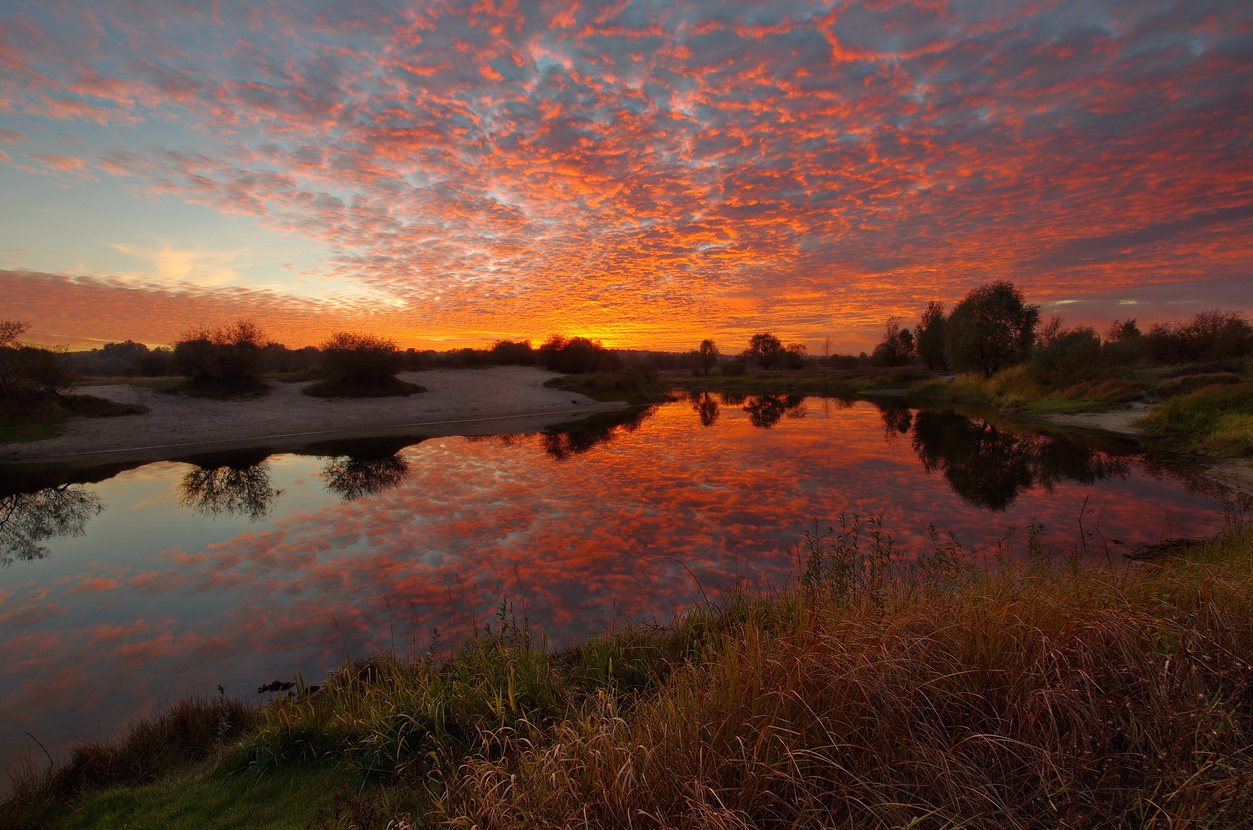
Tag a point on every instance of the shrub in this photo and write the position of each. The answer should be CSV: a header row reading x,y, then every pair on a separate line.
x,y
360,366
577,356
230,354
363,357
1210,335
1067,357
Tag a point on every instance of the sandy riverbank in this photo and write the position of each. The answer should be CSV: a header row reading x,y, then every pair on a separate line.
x,y
484,401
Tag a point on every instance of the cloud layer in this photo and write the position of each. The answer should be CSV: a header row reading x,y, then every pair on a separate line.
x,y
651,173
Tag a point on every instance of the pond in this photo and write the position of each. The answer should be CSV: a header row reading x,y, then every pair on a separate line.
x,y
124,589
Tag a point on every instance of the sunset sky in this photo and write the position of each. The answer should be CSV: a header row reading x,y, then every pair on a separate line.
x,y
645,173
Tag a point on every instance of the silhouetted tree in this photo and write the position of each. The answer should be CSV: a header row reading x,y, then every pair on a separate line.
x,y
707,356
10,331
510,353
1209,335
897,346
929,337
765,350
795,356
577,356
991,329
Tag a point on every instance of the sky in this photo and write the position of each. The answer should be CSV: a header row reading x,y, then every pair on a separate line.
x,y
648,174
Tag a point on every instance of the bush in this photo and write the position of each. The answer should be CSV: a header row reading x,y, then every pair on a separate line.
x,y
362,357
360,366
577,356
1067,357
1210,335
228,354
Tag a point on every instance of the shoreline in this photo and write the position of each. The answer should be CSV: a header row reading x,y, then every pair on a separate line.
x,y
1234,473
478,401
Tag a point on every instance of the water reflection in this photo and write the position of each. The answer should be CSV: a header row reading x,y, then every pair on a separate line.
x,y
765,411
357,469
656,509
229,484
989,466
593,432
27,519
706,408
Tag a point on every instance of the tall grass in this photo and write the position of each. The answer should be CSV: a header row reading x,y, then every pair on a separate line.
x,y
1033,700
888,688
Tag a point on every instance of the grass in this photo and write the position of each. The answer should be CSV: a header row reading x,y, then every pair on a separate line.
x,y
17,432
242,389
1214,420
33,416
623,385
389,387
886,689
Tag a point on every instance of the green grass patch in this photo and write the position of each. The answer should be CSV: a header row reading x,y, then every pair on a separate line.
x,y
1216,420
390,387
18,433
222,390
90,406
291,797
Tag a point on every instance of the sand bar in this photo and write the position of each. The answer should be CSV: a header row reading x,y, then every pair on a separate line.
x,y
486,401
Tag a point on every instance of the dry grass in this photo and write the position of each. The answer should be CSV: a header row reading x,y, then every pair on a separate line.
x,y
886,690
1087,700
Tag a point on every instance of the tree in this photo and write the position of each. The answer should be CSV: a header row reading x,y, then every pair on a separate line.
x,y
897,346
929,336
577,356
764,349
991,329
707,356
1122,331
10,362
795,356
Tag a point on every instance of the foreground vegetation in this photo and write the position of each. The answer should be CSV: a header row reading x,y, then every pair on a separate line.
x,y
881,691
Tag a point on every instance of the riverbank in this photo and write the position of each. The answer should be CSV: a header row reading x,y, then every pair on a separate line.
x,y
479,401
933,695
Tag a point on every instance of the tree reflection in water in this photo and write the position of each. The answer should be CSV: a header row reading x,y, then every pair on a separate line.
x,y
706,407
230,485
563,442
767,410
354,476
989,466
26,519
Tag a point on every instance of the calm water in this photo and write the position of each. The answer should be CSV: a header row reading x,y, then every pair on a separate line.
x,y
175,577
